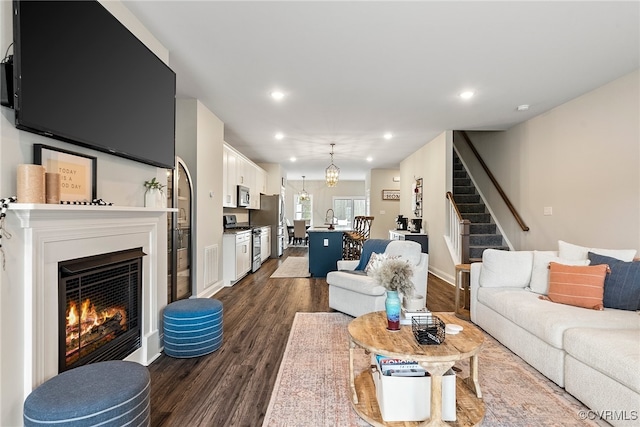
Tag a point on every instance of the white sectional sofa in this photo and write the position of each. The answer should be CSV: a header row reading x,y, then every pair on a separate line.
x,y
594,355
354,293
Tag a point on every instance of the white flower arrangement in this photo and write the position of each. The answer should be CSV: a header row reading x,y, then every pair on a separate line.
x,y
393,273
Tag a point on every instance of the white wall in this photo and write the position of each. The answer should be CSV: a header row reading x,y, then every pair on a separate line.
x,y
384,212
433,164
199,141
582,159
119,180
322,196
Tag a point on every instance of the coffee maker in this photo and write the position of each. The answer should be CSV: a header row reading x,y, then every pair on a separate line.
x,y
416,225
401,223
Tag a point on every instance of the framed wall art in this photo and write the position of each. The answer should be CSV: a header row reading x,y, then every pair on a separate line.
x,y
390,194
78,172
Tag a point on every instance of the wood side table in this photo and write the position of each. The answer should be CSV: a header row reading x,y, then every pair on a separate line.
x,y
370,332
462,305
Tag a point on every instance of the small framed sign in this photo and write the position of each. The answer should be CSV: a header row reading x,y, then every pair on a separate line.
x,y
390,194
78,172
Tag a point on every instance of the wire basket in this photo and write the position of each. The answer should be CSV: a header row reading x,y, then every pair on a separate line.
x,y
428,329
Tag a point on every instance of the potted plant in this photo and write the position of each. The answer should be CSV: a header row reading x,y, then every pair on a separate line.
x,y
394,274
154,196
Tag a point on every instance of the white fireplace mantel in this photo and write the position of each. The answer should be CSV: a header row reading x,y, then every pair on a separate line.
x,y
42,236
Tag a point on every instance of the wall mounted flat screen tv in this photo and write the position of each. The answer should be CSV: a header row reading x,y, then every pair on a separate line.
x,y
82,77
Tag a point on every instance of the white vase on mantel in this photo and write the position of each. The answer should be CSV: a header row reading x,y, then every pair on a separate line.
x,y
154,198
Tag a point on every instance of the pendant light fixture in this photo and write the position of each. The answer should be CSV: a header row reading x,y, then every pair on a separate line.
x,y
303,196
332,172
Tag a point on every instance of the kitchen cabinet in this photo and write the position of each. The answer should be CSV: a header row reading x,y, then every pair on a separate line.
x,y
229,177
179,244
265,243
421,238
238,170
236,256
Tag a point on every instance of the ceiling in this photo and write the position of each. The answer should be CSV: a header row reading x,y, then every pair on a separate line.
x,y
353,71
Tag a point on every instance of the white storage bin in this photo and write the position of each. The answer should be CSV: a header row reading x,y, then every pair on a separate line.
x,y
409,398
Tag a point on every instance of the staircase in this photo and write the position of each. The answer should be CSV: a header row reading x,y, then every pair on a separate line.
x,y
483,232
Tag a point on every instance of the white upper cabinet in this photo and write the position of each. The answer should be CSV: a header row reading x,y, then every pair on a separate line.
x,y
238,170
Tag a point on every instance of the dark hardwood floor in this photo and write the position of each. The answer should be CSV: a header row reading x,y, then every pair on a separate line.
x,y
232,386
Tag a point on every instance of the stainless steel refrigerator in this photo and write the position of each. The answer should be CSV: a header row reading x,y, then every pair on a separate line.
x,y
271,213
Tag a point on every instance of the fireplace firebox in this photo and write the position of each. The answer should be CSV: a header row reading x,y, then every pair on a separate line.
x,y
100,308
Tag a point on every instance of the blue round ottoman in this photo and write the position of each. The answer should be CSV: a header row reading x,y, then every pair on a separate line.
x,y
192,327
112,393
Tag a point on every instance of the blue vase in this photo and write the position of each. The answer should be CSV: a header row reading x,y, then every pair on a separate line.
x,y
392,306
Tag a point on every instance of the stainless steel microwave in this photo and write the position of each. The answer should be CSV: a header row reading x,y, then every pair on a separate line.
x,y
243,196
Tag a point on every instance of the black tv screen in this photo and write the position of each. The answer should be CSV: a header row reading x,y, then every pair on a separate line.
x,y
82,77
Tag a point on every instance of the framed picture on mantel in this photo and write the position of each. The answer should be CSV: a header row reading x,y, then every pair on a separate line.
x,y
390,194
78,172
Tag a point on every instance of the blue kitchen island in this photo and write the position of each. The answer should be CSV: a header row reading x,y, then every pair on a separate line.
x,y
325,249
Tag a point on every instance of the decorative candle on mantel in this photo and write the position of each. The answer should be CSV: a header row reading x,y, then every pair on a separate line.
x,y
52,183
31,184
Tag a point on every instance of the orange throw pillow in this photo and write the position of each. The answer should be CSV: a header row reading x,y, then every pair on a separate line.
x,y
581,286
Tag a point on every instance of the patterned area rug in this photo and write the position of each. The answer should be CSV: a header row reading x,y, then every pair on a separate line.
x,y
312,384
293,266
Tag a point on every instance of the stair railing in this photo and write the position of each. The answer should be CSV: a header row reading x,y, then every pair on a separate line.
x,y
513,210
458,232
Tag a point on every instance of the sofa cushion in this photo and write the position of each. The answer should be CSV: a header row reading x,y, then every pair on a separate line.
x,y
622,286
613,352
540,273
571,251
370,246
405,249
582,286
506,268
547,320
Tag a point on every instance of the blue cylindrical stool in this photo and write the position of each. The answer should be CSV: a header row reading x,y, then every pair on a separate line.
x,y
112,393
192,327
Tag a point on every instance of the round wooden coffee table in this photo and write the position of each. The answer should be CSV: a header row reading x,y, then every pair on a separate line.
x,y
370,332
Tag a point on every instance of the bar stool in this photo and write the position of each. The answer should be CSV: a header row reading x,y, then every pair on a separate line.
x,y
352,241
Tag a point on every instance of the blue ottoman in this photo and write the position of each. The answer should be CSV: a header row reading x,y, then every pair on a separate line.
x,y
192,327
113,393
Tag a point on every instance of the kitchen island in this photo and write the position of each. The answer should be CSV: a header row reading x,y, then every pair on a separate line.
x,y
325,249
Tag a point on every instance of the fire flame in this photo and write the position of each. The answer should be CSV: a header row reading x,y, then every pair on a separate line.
x,y
89,318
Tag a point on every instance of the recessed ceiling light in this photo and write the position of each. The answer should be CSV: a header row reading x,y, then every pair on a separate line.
x,y
369,159
292,159
279,135
523,107
388,135
277,95
467,94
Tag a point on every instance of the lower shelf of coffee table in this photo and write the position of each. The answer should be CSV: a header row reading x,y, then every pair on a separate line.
x,y
469,408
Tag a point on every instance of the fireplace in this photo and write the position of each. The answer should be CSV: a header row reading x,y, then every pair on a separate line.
x,y
45,236
100,307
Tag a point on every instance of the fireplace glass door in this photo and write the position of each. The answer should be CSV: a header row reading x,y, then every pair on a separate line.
x,y
100,307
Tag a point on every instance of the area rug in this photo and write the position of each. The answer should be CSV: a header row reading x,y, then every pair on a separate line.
x,y
293,266
311,388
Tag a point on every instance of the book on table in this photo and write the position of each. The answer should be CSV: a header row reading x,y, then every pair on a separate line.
x,y
401,367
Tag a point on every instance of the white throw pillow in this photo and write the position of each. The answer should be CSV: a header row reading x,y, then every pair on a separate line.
x,y
540,273
576,252
506,268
